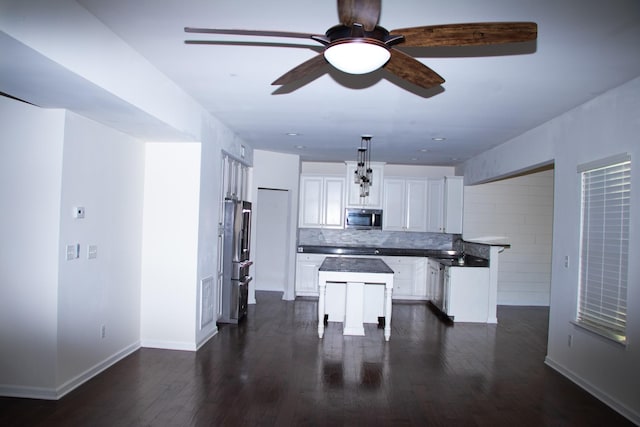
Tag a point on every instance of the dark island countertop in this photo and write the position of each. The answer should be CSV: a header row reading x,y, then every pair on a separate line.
x,y
355,265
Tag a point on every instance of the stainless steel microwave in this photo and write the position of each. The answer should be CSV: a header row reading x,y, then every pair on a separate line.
x,y
363,219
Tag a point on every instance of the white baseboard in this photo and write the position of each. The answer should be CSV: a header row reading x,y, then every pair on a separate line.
x,y
614,404
59,392
210,335
170,345
28,392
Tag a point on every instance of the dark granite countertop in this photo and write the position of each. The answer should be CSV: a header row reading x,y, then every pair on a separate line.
x,y
446,257
467,261
355,265
364,250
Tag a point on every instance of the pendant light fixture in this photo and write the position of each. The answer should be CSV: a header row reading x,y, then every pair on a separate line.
x,y
363,175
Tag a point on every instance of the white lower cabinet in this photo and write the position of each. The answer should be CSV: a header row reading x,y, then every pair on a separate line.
x,y
466,294
433,279
307,266
409,277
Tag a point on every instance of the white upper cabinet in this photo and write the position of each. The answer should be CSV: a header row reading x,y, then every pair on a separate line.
x,y
374,199
453,204
321,201
446,205
234,178
405,204
435,222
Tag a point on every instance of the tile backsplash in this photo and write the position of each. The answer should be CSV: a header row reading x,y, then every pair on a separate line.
x,y
378,238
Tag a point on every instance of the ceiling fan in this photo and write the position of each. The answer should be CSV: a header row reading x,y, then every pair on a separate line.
x,y
358,45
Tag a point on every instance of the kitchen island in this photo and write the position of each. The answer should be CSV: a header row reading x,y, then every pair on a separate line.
x,y
353,283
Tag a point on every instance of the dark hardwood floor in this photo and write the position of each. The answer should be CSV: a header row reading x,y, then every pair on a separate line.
x,y
272,370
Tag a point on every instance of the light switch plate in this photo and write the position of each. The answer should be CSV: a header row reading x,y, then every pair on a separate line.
x,y
92,252
73,251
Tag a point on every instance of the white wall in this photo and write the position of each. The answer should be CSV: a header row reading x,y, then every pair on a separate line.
x,y
103,172
418,171
170,245
281,171
605,126
31,146
135,96
51,309
519,211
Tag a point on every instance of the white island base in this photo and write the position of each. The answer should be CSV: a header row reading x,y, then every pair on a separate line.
x,y
352,289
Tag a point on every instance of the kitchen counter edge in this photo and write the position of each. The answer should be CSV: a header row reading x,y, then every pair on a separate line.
x,y
445,257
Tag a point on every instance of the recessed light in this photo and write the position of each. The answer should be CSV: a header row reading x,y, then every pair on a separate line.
x,y
439,138
424,150
300,147
292,134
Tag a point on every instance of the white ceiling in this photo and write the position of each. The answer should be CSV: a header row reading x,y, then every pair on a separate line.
x,y
584,48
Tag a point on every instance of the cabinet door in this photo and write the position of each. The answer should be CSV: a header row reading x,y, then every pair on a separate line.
x,y
307,267
434,279
333,202
403,276
311,201
419,277
446,291
394,205
416,205
453,204
435,209
468,296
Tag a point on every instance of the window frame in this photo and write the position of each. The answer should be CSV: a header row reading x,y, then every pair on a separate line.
x,y
602,305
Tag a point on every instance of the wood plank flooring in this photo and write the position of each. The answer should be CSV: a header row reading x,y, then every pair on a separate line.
x,y
272,370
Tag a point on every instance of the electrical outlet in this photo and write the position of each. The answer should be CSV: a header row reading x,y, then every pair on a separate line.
x,y
78,212
566,261
103,331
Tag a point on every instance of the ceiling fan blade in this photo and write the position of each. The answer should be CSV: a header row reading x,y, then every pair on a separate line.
x,y
308,67
408,68
471,34
260,33
364,12
315,48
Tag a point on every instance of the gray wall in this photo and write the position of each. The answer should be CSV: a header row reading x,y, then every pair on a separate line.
x,y
605,126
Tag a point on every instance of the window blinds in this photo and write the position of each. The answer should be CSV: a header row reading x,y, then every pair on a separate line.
x,y
604,248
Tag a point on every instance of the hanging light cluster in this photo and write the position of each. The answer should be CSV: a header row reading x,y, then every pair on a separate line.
x,y
363,174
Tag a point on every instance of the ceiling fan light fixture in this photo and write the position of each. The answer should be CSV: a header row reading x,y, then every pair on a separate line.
x,y
357,56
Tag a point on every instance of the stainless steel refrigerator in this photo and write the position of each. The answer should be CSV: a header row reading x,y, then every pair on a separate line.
x,y
236,260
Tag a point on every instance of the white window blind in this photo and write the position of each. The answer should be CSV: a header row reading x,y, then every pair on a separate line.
x,y
602,304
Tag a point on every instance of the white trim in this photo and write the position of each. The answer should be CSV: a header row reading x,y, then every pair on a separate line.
x,y
170,345
608,400
207,337
608,161
28,392
72,384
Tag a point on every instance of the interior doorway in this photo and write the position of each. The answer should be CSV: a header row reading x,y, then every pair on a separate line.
x,y
272,236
